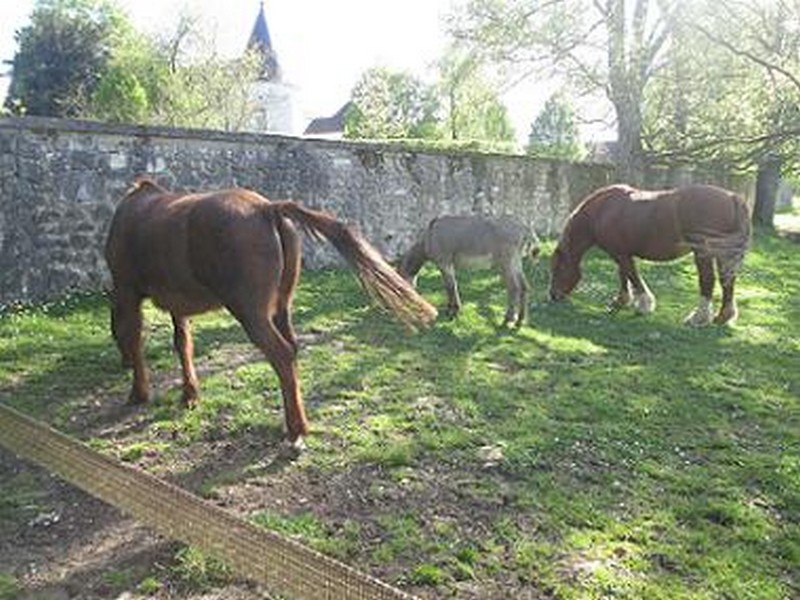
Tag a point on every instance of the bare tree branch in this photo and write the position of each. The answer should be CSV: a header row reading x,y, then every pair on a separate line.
x,y
769,66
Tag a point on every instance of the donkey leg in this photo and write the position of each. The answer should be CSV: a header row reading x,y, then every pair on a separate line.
x,y
448,272
280,354
517,292
126,325
184,347
728,312
701,316
523,297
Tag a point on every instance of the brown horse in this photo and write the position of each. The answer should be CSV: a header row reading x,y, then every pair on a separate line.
x,y
710,222
451,241
194,252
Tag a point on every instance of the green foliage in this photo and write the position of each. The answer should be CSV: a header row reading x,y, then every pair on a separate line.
x,y
149,586
82,58
118,580
178,80
730,87
198,570
474,111
426,575
605,50
389,104
463,107
62,55
9,587
340,542
554,133
120,97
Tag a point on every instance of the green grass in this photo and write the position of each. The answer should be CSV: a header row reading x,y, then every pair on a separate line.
x,y
9,588
586,455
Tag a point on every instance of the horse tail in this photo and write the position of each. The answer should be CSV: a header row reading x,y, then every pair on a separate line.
x,y
728,247
742,235
377,277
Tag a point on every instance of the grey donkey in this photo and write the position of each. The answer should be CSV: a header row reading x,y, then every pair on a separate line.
x,y
474,241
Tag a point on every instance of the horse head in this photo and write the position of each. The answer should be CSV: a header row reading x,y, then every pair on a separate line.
x,y
565,272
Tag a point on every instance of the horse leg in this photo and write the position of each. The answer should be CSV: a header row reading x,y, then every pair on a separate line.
x,y
701,315
448,272
184,347
727,278
292,256
623,297
116,333
643,299
126,326
281,355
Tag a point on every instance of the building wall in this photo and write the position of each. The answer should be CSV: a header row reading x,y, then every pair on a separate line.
x,y
60,181
275,113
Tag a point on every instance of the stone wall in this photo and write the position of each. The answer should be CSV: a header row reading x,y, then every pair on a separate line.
x,y
60,181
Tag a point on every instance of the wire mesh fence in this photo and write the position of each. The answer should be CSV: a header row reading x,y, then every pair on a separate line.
x,y
284,566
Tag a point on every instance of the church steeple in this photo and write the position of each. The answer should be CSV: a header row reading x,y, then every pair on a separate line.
x,y
261,43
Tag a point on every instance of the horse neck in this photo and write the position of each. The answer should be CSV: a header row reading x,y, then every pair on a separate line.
x,y
578,235
413,260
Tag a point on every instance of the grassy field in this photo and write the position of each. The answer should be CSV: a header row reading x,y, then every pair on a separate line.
x,y
586,455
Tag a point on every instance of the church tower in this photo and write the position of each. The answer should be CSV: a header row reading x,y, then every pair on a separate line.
x,y
272,96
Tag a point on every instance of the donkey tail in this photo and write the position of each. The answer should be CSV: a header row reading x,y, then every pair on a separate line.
x,y
377,277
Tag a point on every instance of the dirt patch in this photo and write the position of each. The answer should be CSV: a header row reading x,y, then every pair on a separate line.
x,y
66,544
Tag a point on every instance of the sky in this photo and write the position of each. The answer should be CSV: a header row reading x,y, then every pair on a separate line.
x,y
323,46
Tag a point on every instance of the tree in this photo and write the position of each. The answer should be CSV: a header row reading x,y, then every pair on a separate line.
x,y
472,109
554,133
392,105
176,79
61,55
562,38
738,102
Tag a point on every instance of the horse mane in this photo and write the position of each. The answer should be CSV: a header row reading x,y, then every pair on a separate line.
x,y
579,222
144,182
603,193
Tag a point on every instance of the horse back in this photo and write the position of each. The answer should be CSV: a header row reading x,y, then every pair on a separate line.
x,y
710,209
665,224
188,252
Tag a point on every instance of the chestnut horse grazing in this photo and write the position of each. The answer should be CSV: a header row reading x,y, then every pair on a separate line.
x,y
194,252
451,241
710,222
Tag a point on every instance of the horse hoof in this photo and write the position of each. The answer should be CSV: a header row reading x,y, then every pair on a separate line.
x,y
725,318
696,319
293,448
190,400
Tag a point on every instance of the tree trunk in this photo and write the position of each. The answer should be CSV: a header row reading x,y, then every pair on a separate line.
x,y
629,156
625,92
767,184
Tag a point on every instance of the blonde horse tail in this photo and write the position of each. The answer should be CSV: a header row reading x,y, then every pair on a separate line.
x,y
736,244
743,235
377,277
